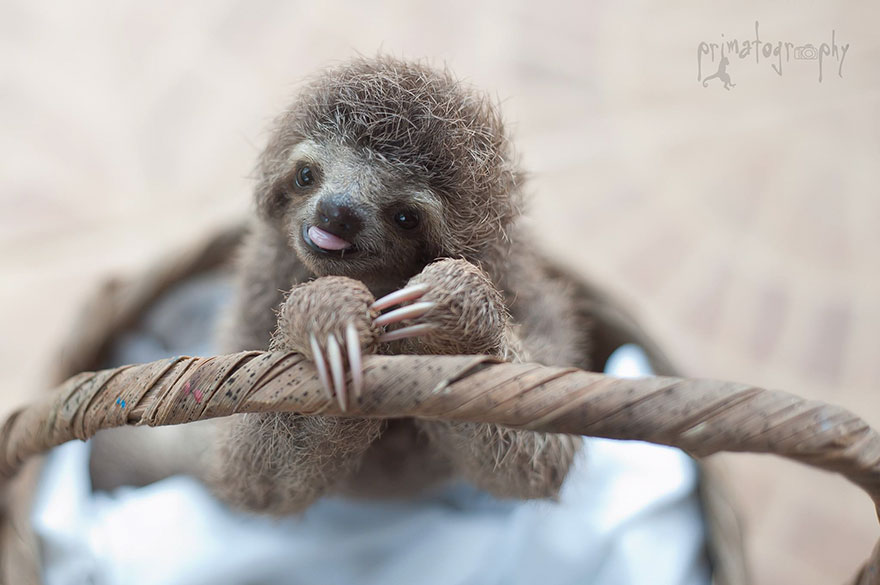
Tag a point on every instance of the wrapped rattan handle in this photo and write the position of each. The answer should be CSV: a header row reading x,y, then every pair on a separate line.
x,y
700,416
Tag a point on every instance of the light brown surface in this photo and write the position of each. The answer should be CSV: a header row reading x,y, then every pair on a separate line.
x,y
742,224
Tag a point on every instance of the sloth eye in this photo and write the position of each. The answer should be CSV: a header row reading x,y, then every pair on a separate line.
x,y
407,219
305,176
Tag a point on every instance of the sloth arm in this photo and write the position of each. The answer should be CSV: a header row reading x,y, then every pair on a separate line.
x,y
472,318
278,463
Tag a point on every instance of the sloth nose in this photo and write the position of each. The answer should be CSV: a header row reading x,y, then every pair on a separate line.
x,y
337,216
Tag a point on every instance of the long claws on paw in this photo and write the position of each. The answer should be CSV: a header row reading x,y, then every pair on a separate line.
x,y
408,312
403,333
337,369
321,365
403,295
329,360
353,346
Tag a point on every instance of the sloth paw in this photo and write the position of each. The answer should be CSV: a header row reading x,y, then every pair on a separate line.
x,y
334,321
459,312
329,320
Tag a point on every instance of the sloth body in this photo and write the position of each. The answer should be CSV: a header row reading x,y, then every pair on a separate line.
x,y
385,175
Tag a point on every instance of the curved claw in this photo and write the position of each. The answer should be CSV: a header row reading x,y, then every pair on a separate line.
x,y
404,332
337,369
321,365
353,347
408,312
409,293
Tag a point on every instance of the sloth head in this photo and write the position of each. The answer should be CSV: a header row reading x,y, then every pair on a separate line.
x,y
381,166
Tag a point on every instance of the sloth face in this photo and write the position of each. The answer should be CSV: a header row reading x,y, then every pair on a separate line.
x,y
380,166
350,213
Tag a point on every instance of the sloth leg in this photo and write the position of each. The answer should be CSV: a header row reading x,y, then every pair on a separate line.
x,y
280,463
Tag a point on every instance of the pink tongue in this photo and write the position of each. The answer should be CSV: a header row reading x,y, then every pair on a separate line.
x,y
326,240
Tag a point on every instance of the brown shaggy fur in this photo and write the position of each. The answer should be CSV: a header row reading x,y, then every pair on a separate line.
x,y
391,135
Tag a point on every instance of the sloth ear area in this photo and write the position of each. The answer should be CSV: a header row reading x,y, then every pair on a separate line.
x,y
272,199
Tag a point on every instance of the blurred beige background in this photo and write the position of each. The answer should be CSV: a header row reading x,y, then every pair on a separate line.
x,y
741,225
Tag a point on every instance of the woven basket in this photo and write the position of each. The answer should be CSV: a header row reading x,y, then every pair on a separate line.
x,y
702,417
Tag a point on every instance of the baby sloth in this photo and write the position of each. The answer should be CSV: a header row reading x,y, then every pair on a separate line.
x,y
391,180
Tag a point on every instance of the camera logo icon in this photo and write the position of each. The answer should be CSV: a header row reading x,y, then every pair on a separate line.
x,y
806,52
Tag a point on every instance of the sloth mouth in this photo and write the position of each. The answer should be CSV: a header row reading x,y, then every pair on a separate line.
x,y
325,243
